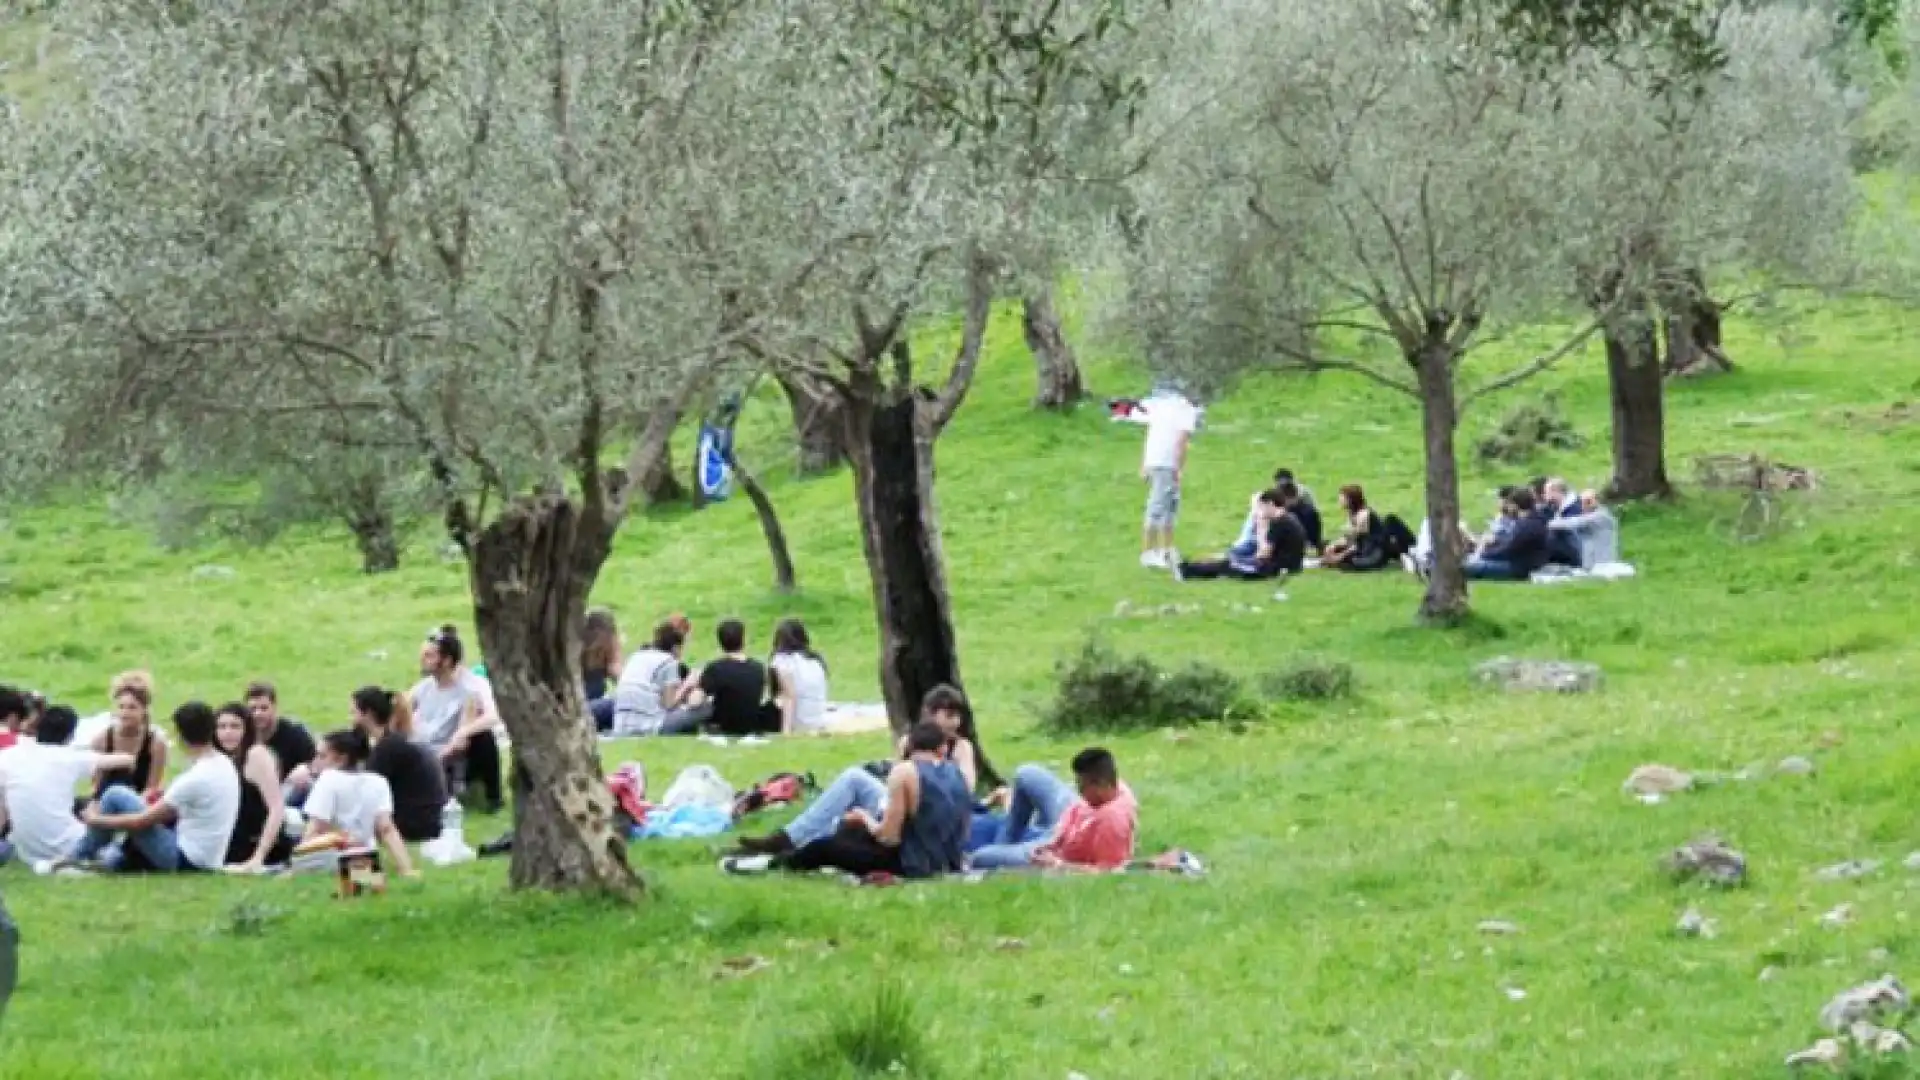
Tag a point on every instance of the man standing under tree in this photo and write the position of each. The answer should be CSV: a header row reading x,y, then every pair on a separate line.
x,y
1171,419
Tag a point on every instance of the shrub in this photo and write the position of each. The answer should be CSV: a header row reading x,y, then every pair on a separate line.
x,y
1526,430
1101,689
1309,679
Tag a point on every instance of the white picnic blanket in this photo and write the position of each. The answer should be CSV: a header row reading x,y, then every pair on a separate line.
x,y
1556,575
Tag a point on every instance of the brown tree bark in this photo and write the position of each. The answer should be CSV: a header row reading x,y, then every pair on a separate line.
x,y
817,422
1059,386
1634,384
373,535
530,572
659,485
1692,327
888,428
1445,601
783,575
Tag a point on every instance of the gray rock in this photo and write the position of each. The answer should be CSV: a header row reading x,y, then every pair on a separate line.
x,y
1841,916
1693,924
1709,860
1847,871
1794,766
1912,861
1552,676
1498,926
215,573
1122,609
1882,999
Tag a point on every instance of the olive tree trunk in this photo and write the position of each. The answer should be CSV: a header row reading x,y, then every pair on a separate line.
x,y
1445,600
373,535
817,422
1634,383
783,575
1692,328
530,572
1058,383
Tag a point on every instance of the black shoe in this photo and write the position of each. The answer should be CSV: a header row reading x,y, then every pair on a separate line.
x,y
499,845
774,843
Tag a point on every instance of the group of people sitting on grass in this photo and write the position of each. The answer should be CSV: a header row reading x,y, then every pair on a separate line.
x,y
1539,527
654,691
917,817
254,787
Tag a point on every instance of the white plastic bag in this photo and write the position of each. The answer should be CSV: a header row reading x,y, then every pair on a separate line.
x,y
699,785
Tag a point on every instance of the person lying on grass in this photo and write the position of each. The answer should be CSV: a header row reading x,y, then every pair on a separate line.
x,y
350,805
187,829
857,789
921,834
1093,831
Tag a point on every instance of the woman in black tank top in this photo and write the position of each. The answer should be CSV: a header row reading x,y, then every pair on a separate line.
x,y
132,733
258,839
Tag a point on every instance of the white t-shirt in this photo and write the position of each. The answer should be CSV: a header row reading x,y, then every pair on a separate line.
x,y
37,785
207,799
351,802
805,679
638,702
1169,416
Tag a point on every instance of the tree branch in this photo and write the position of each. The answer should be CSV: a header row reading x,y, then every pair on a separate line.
x,y
973,334
1533,367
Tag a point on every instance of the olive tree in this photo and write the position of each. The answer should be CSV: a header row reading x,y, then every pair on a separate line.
x,y
1744,172
1365,188
896,141
497,224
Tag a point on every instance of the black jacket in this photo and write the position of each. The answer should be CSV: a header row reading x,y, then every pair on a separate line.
x,y
1524,546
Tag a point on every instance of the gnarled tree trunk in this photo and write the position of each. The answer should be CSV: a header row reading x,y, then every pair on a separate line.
x,y
1639,403
783,576
373,535
659,485
1692,327
1057,370
1446,596
817,421
530,572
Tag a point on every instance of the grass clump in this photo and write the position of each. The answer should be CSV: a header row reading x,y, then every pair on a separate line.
x,y
884,1038
1100,688
1310,679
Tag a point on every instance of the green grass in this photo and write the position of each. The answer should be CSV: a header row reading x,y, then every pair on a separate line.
x,y
1355,844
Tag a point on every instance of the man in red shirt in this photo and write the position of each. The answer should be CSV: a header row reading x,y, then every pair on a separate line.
x,y
1091,830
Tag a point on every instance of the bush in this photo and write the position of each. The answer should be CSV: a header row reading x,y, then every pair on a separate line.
x,y
1526,430
1101,689
1310,680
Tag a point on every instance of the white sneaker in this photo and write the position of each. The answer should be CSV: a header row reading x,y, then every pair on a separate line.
x,y
1149,558
746,864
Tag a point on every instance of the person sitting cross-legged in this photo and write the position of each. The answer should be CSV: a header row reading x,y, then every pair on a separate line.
x,y
921,834
1282,548
1094,831
187,830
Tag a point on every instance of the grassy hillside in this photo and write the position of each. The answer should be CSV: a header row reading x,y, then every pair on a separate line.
x,y
1354,848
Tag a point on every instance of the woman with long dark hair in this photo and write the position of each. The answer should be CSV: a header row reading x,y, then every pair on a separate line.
x,y
799,679
600,665
414,778
258,840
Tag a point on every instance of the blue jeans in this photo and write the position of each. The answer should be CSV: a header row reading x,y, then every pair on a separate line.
x,y
155,843
1478,569
854,789
1040,799
9,957
6,852
1247,544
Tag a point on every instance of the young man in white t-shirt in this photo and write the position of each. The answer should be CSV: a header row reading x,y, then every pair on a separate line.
x,y
1171,420
38,777
188,828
